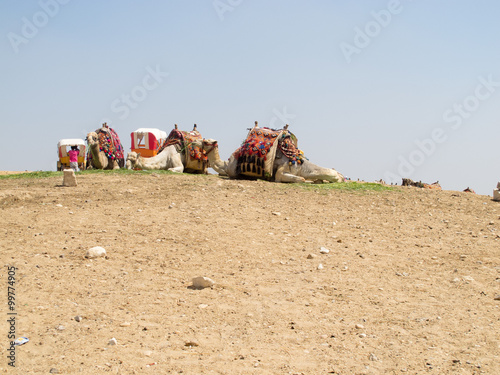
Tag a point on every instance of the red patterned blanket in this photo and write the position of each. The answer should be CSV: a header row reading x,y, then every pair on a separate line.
x,y
192,144
257,153
110,144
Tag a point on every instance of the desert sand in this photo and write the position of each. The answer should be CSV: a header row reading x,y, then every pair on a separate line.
x,y
408,286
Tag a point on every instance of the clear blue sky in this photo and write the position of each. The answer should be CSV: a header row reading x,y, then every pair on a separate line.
x,y
376,89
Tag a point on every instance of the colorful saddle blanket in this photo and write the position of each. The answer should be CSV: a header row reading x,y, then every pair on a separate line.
x,y
257,153
110,144
192,144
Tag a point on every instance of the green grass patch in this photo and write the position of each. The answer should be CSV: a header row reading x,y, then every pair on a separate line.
x,y
346,186
28,175
46,174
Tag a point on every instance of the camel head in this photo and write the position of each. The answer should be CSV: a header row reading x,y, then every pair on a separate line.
x,y
132,158
209,144
92,138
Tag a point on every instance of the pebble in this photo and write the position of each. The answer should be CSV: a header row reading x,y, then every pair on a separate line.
x,y
191,344
311,256
113,341
497,297
362,335
125,324
148,353
54,371
468,278
61,328
96,252
203,306
359,326
324,250
59,205
202,282
320,266
373,357
78,318
277,213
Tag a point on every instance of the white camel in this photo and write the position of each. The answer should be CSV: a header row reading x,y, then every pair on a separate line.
x,y
283,171
172,160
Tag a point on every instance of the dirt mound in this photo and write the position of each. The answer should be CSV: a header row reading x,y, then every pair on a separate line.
x,y
408,285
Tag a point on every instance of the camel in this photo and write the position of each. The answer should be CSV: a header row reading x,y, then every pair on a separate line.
x,y
176,161
284,169
100,160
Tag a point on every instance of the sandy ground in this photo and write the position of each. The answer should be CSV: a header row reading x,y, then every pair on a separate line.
x,y
408,285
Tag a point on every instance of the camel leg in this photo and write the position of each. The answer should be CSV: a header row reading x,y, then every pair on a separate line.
x,y
176,169
282,176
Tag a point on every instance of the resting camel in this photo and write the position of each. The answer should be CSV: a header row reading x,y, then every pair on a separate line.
x,y
283,170
99,158
176,161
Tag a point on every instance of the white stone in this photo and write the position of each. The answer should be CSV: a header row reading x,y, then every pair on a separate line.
x,y
202,282
277,213
112,341
496,194
320,266
96,252
324,250
69,178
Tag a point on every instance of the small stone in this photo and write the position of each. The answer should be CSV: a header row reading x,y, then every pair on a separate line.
x,y
61,328
468,278
54,371
148,353
171,205
277,213
125,324
202,282
373,357
203,306
359,326
362,335
112,341
311,256
191,344
69,178
59,205
324,250
320,266
96,252
78,318
497,297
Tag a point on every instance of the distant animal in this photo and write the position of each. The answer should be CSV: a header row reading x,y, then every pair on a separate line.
x,y
420,184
